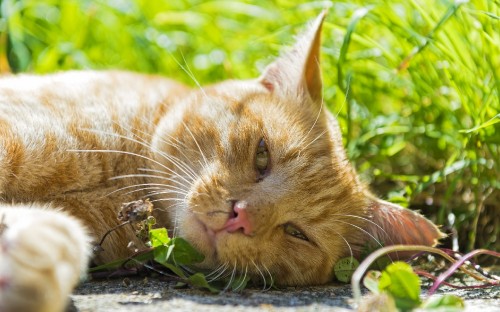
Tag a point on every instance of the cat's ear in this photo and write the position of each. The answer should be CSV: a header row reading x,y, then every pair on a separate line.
x,y
297,72
393,225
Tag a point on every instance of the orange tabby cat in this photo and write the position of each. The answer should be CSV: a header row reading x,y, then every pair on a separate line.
x,y
252,173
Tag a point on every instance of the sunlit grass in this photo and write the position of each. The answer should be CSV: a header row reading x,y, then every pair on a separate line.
x,y
415,84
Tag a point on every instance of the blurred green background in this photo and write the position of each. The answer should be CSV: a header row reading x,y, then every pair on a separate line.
x,y
415,83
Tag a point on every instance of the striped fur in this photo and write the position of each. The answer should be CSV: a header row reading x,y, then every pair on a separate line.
x,y
75,145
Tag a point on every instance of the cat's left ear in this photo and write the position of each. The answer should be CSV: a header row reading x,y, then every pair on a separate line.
x,y
297,72
392,225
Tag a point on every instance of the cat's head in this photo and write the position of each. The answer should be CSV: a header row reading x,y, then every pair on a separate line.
x,y
260,183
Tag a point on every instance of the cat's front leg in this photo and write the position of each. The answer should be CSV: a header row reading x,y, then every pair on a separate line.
x,y
43,254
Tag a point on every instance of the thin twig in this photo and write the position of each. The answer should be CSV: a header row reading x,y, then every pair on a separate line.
x,y
111,230
441,278
434,278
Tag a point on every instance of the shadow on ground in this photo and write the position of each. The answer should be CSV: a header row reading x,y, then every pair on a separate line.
x,y
153,294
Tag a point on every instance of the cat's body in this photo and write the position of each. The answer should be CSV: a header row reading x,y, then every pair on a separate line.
x,y
252,173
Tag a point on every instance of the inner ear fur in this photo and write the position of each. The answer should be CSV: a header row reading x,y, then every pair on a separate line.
x,y
297,72
392,225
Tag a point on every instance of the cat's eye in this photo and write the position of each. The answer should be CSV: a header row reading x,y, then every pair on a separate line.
x,y
292,230
262,159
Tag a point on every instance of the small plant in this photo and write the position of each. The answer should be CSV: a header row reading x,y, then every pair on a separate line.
x,y
173,253
397,287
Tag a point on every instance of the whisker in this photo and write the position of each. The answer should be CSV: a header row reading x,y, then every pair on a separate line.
x,y
231,279
181,146
270,277
140,175
170,158
167,192
178,162
242,280
188,269
161,172
347,243
261,274
315,139
313,125
363,230
184,168
188,72
130,154
215,274
191,75
168,199
197,145
367,220
160,191
146,187
346,95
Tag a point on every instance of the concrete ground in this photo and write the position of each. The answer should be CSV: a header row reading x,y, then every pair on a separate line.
x,y
153,294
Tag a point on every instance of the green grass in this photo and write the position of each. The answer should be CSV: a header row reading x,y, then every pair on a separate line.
x,y
415,83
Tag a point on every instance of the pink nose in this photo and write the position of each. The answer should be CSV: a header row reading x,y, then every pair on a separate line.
x,y
239,219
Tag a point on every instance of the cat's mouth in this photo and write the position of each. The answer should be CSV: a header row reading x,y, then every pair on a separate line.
x,y
232,223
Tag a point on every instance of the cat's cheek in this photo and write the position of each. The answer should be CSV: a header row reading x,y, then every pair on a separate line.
x,y
197,234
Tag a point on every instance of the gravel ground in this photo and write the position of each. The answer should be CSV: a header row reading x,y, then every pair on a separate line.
x,y
152,294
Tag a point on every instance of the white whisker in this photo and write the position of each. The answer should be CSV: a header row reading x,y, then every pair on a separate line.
x,y
136,175
313,125
270,277
161,172
175,160
168,199
346,96
215,274
170,158
315,139
367,220
167,192
143,187
231,279
363,230
197,145
240,285
345,240
261,274
188,72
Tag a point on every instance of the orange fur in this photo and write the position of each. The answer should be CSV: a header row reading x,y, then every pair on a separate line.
x,y
64,136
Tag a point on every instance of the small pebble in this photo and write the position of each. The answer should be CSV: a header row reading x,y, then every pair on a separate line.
x,y
126,282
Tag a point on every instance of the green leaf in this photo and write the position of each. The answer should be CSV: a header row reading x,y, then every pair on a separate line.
x,y
177,251
199,280
184,253
143,257
180,285
344,269
382,262
371,281
170,248
239,283
161,254
177,271
399,280
158,237
446,303
485,124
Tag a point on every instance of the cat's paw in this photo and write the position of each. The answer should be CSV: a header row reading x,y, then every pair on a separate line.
x,y
42,256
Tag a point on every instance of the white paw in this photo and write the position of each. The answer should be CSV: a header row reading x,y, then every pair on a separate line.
x,y
42,256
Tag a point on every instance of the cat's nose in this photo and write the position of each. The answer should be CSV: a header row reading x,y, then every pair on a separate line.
x,y
239,219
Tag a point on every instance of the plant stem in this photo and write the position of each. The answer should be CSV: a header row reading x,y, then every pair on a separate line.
x,y
441,278
363,267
